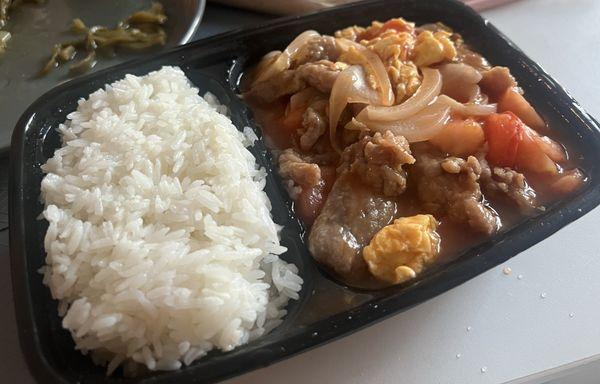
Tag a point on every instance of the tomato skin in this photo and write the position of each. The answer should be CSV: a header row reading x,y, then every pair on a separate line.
x,y
310,201
513,144
504,133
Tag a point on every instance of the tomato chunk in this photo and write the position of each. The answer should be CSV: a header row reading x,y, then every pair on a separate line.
x,y
513,144
503,132
551,148
531,157
310,201
513,101
568,182
280,129
292,120
460,137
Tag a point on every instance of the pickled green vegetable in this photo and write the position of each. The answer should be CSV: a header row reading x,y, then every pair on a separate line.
x,y
141,30
5,7
4,38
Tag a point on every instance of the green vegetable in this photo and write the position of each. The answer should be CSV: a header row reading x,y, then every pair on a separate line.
x,y
141,30
5,7
4,37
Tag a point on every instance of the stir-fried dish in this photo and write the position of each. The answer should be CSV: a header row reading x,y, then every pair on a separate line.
x,y
400,146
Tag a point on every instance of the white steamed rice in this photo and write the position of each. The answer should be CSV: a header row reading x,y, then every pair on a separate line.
x,y
160,245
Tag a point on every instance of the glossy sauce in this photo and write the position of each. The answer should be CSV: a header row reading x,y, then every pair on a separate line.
x,y
280,132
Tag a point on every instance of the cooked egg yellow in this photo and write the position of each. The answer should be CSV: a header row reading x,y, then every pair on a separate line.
x,y
400,251
432,48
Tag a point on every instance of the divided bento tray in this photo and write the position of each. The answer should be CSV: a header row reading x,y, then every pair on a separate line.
x,y
326,309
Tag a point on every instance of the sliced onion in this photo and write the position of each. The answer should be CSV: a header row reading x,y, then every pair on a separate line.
x,y
262,65
284,60
349,87
429,89
374,61
460,73
421,126
467,110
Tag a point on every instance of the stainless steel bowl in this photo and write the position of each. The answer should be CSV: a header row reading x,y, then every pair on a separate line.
x,y
36,28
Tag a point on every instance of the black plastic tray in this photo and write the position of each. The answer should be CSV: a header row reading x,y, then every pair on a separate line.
x,y
326,310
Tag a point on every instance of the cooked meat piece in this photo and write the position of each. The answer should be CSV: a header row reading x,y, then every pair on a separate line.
x,y
320,75
353,33
465,55
450,187
298,171
281,84
306,97
318,48
314,124
497,80
377,160
507,182
459,81
352,215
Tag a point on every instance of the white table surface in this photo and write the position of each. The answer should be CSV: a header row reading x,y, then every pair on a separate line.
x,y
495,321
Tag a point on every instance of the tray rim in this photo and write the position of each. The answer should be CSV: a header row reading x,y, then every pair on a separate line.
x,y
454,275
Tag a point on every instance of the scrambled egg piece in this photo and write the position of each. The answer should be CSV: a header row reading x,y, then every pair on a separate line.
x,y
398,25
373,29
400,251
400,51
405,79
351,33
432,48
391,45
394,49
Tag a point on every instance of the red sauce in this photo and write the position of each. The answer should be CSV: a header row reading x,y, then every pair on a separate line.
x,y
280,128
279,131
